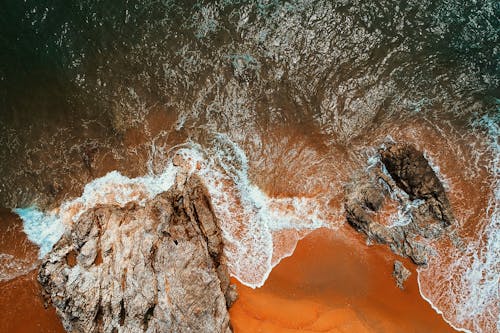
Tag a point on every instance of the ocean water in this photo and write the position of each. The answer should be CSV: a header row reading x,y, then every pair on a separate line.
x,y
274,104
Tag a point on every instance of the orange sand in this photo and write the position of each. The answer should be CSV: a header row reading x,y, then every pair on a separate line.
x,y
22,307
332,283
335,283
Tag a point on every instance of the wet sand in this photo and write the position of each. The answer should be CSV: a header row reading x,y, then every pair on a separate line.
x,y
22,308
335,283
332,283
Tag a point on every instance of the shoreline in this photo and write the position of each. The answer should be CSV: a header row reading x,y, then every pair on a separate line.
x,y
22,307
343,297
349,299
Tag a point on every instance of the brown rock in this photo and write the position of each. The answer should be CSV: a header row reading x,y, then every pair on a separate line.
x,y
412,173
400,273
156,268
420,195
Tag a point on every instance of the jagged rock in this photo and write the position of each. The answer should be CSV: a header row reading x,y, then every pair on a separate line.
x,y
404,176
400,273
412,173
153,268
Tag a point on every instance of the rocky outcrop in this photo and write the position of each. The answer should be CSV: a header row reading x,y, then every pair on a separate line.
x,y
413,174
402,176
157,267
400,274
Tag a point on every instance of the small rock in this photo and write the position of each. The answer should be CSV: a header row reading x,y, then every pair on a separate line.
x,y
400,273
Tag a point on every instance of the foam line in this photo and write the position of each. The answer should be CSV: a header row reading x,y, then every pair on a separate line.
x,y
475,293
247,215
42,229
435,308
46,228
248,218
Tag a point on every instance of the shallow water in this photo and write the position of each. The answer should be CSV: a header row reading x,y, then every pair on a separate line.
x,y
22,307
335,283
275,103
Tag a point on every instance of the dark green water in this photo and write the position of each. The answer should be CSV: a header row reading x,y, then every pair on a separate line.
x,y
75,76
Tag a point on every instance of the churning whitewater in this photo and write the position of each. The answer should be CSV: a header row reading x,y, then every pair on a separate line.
x,y
249,218
274,105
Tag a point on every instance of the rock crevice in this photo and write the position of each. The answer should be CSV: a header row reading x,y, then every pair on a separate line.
x,y
402,178
159,267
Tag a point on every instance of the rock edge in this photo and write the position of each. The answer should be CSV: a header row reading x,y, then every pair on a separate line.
x,y
153,268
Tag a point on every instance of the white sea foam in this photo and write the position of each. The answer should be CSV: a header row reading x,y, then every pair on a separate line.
x,y
46,228
473,289
404,215
466,291
43,229
435,308
12,267
483,274
437,171
247,215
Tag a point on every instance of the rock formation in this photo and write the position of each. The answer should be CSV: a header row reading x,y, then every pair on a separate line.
x,y
403,176
413,174
400,274
158,267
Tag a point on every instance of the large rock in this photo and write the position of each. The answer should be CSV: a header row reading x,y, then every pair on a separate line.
x,y
153,268
412,173
404,176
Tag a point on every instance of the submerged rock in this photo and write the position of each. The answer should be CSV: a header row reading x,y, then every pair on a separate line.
x,y
404,176
400,274
159,267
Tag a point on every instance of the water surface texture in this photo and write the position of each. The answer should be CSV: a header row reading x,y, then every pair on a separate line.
x,y
273,103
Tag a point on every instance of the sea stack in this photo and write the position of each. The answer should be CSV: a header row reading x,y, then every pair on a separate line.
x,y
402,176
156,267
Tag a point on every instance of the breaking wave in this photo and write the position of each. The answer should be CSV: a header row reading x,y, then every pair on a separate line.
x,y
468,296
249,218
300,90
251,221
